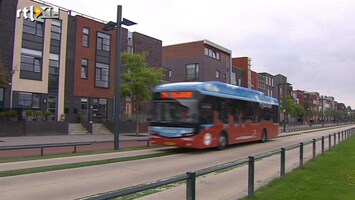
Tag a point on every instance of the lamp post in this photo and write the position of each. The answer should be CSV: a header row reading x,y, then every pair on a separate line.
x,y
117,104
322,112
285,110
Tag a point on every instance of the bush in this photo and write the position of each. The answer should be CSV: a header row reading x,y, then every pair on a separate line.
x,y
29,113
38,113
8,114
12,114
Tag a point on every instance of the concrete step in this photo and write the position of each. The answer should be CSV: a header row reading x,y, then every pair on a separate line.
x,y
100,129
77,129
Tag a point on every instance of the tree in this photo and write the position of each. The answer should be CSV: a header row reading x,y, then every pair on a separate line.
x,y
292,108
139,80
5,74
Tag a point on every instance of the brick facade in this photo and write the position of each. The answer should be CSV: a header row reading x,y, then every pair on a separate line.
x,y
213,61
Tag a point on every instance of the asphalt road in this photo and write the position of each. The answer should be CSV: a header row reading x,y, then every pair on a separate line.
x,y
86,181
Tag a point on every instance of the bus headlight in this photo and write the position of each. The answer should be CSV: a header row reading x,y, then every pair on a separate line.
x,y
187,134
207,139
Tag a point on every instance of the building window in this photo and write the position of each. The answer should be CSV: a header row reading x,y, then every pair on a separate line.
x,y
86,32
84,68
192,71
33,28
28,100
56,29
102,75
2,90
31,63
53,78
54,67
99,107
103,42
217,74
129,49
234,78
213,54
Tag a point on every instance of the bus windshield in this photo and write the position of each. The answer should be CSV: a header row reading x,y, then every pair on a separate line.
x,y
175,111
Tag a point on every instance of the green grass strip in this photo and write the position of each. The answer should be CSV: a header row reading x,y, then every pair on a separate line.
x,y
330,176
81,164
65,155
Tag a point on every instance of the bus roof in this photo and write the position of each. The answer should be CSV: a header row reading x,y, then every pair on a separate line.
x,y
219,89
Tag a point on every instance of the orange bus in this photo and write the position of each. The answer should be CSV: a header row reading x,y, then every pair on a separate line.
x,y
211,114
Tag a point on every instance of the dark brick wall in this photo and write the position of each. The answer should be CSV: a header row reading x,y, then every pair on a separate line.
x,y
69,71
22,128
46,128
176,57
12,128
142,43
178,66
7,34
127,126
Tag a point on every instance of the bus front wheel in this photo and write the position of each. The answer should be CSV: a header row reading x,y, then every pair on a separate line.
x,y
222,141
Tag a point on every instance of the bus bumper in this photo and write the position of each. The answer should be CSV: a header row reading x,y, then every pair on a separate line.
x,y
185,142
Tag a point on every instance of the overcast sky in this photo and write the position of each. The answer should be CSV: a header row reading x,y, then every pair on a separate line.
x,y
312,42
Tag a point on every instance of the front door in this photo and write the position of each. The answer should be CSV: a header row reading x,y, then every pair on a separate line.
x,y
84,109
52,106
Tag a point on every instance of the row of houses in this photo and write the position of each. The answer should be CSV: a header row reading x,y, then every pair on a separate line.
x,y
67,65
205,61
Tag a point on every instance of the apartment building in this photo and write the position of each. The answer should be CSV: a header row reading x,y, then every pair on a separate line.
x,y
254,80
281,87
237,76
269,84
311,100
65,64
7,24
261,83
301,97
197,61
36,57
244,63
90,88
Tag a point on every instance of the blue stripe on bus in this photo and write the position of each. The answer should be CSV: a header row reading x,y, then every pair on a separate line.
x,y
170,131
219,89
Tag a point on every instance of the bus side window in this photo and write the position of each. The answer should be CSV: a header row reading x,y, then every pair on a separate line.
x,y
223,111
206,113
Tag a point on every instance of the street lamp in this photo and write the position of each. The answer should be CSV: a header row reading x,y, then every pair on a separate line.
x,y
284,106
322,111
108,27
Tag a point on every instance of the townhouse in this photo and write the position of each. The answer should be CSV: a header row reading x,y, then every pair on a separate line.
x,y
34,52
197,61
65,65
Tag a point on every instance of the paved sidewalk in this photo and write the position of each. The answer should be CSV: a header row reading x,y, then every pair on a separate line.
x,y
29,140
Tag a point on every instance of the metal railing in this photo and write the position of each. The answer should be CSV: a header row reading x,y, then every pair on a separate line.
x,y
43,146
314,126
190,177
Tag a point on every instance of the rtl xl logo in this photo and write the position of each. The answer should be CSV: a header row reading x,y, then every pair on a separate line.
x,y
38,13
